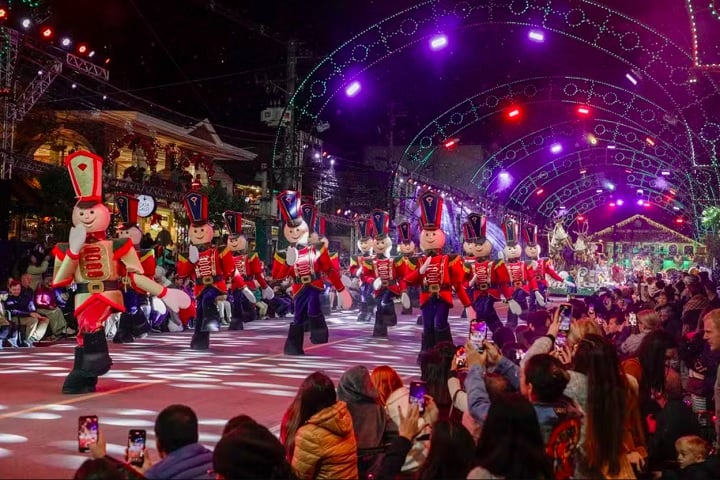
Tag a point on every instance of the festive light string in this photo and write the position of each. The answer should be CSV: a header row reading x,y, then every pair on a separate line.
x,y
695,37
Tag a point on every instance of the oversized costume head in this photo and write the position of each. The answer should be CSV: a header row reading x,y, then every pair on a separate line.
x,y
365,240
296,230
532,248
321,239
511,229
381,225
200,231
236,242
432,238
480,246
86,174
127,207
309,216
406,245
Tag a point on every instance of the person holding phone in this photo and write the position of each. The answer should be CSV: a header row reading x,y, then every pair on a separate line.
x,y
639,324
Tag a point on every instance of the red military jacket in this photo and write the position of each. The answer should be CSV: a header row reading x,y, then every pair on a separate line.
x,y
513,275
308,270
356,264
147,260
485,275
248,271
444,273
544,266
211,269
386,269
406,264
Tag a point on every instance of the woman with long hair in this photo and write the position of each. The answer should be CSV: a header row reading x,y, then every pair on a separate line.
x,y
511,445
318,432
452,452
613,434
386,381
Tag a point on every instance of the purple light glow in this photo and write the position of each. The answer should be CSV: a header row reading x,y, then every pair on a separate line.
x,y
353,89
556,148
641,202
536,36
620,201
438,42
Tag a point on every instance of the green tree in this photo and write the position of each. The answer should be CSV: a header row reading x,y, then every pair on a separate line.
x,y
58,194
711,223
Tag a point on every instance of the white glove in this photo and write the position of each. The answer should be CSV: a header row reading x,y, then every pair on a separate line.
x,y
534,264
472,281
346,281
539,298
355,283
470,312
291,256
424,266
345,299
249,294
569,284
268,293
377,284
405,300
77,238
175,299
193,254
514,306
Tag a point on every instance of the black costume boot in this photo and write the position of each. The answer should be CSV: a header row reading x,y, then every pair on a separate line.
x,y
364,312
124,330
200,340
76,382
419,320
236,324
380,328
318,329
427,342
96,359
443,335
294,341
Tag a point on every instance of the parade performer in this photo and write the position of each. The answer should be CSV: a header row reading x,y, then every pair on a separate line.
x,y
482,275
365,244
319,240
540,267
97,266
133,322
208,266
515,278
406,260
382,273
305,264
248,277
438,274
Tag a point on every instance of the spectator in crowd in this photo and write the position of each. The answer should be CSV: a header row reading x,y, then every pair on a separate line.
x,y
386,381
693,460
250,451
318,432
434,371
452,452
37,266
693,307
579,329
647,321
23,309
176,438
372,425
711,333
98,469
46,305
511,445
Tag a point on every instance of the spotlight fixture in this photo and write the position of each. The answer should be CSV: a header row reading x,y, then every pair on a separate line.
x,y
536,36
513,112
438,42
632,79
26,22
583,110
556,148
66,42
47,33
352,89
82,49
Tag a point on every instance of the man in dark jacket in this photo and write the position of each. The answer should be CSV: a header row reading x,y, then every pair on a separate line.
x,y
176,435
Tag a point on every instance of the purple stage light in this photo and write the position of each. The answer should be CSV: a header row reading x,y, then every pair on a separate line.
x,y
556,148
537,36
438,42
641,202
632,79
352,89
620,201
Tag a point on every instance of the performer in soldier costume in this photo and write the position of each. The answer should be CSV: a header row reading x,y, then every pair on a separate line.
x,y
515,278
305,264
438,274
208,266
319,240
539,266
382,274
97,266
482,277
406,261
133,322
248,275
365,244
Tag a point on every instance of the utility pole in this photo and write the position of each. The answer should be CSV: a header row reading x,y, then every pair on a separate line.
x,y
392,166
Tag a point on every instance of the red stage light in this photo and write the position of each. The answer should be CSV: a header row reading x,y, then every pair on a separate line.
x,y
3,14
583,110
540,191
580,218
612,204
82,49
679,220
47,33
513,113
451,143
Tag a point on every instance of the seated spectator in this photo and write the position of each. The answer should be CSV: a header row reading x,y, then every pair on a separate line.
x,y
372,425
23,311
250,451
452,452
176,438
511,445
224,309
46,306
318,434
37,266
692,456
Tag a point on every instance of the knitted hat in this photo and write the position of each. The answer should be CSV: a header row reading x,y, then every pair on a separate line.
x,y
250,451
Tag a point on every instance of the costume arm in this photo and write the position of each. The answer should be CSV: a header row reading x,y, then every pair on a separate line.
x,y
367,274
530,275
412,275
503,279
326,265
227,263
457,278
257,271
66,263
184,267
550,270
280,269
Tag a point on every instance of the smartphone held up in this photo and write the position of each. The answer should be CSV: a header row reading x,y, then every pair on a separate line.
x,y
418,390
87,432
565,319
478,334
136,447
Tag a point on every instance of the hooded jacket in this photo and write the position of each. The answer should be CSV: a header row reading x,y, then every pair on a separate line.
x,y
325,447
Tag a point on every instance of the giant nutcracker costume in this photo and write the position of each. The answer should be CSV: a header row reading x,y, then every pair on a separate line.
x,y
97,266
365,243
437,275
406,261
208,266
248,275
320,240
382,273
515,278
306,264
133,322
482,276
540,267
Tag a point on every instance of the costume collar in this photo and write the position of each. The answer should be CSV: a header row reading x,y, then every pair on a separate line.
x,y
93,237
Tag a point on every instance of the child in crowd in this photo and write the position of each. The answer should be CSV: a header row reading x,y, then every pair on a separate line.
x,y
692,455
